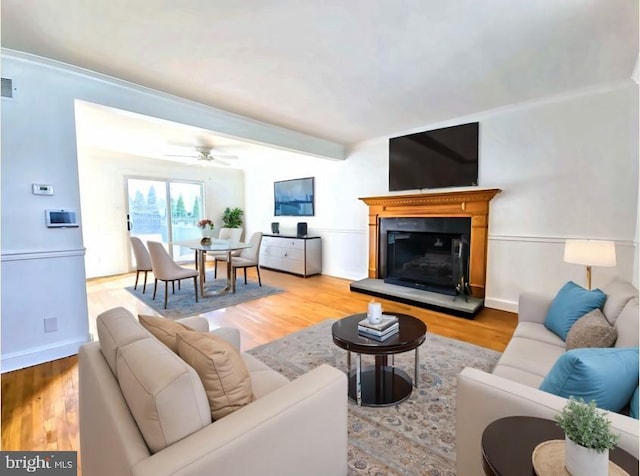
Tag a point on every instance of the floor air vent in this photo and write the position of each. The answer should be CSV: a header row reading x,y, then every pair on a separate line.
x,y
7,88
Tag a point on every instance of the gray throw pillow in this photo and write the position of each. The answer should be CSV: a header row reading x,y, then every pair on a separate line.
x,y
591,330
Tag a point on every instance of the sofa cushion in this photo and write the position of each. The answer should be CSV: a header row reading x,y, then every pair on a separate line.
x,y
223,372
163,329
618,292
570,304
530,358
591,330
608,376
538,332
165,395
627,324
117,327
264,379
521,376
633,405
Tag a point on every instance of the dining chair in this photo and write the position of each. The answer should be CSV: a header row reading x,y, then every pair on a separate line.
x,y
143,261
249,257
233,234
165,269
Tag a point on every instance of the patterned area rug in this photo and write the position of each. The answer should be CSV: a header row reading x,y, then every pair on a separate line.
x,y
183,304
415,437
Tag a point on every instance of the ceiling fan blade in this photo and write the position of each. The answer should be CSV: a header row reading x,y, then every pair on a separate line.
x,y
181,155
213,160
224,156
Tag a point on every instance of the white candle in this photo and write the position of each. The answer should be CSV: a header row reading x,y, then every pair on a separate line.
x,y
374,313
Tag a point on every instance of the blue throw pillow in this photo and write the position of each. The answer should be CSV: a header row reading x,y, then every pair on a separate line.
x,y
633,406
607,375
570,304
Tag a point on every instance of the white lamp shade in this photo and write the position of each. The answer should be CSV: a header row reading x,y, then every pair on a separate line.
x,y
590,252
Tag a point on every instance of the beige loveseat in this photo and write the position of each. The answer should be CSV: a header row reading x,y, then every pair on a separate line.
x,y
136,394
512,387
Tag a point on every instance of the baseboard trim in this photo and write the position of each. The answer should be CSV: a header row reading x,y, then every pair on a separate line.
x,y
501,304
41,354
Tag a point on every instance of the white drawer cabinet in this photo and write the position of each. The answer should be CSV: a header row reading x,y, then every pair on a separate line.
x,y
291,254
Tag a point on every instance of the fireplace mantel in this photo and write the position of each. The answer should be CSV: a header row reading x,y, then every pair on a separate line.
x,y
468,203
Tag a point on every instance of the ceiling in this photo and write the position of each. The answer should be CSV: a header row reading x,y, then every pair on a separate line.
x,y
101,128
342,70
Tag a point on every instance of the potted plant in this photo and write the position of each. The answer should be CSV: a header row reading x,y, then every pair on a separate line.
x,y
588,438
232,217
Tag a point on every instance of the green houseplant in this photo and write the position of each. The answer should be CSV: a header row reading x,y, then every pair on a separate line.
x,y
588,438
232,217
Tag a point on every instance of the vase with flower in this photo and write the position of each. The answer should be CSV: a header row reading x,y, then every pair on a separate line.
x,y
206,227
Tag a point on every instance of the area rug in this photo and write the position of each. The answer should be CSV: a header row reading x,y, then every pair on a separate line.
x,y
415,437
182,303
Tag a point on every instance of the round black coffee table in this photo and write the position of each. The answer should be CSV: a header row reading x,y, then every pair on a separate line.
x,y
508,443
383,384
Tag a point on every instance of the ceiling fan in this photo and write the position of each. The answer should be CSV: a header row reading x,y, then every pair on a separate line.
x,y
207,153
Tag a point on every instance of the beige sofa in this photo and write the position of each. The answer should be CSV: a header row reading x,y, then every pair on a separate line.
x,y
136,394
512,387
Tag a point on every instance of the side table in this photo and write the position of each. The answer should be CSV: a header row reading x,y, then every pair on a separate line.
x,y
508,444
383,384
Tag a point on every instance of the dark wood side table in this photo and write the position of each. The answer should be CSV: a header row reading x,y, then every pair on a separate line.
x,y
508,443
383,384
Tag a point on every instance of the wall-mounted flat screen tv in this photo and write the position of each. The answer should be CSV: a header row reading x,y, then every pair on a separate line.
x,y
294,197
446,157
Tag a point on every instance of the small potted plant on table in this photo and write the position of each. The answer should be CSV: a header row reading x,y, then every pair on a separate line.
x,y
588,438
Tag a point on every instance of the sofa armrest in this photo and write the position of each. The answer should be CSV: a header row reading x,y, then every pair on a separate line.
x,y
230,334
196,323
201,324
300,428
482,398
533,307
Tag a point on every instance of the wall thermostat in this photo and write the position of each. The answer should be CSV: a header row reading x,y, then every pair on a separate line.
x,y
42,189
61,218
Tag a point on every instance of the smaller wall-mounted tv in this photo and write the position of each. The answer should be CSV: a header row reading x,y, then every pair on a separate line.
x,y
294,198
446,157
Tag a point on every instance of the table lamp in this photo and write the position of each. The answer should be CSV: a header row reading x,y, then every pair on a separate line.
x,y
590,253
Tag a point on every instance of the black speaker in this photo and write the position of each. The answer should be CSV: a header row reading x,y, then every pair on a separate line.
x,y
302,228
275,228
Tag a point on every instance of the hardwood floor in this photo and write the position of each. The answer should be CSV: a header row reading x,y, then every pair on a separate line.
x,y
40,403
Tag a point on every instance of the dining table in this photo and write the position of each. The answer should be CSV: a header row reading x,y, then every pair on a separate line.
x,y
215,245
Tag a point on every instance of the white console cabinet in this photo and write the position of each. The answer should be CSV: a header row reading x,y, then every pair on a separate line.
x,y
291,254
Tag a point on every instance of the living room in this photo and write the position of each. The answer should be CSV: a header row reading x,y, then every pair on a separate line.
x,y
565,158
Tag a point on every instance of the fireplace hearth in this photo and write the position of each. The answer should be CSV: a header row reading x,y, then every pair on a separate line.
x,y
426,248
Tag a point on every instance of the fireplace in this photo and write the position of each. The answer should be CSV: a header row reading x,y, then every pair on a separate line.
x,y
414,223
429,261
431,254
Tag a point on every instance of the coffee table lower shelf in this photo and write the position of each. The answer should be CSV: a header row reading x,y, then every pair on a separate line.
x,y
382,386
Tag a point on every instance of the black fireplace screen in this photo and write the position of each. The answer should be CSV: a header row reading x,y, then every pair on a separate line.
x,y
433,261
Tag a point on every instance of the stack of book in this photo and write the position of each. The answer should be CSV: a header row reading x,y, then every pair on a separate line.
x,y
386,328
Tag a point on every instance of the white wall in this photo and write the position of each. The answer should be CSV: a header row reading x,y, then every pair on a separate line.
x,y
43,272
568,168
104,208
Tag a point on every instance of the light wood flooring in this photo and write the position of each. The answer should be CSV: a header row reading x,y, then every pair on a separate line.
x,y
40,403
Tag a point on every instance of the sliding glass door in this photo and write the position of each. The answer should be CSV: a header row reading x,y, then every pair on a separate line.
x,y
187,209
166,211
